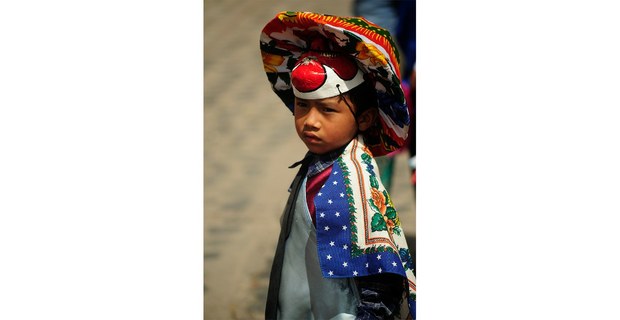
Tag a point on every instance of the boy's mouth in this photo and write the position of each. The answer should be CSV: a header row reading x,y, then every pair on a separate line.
x,y
311,138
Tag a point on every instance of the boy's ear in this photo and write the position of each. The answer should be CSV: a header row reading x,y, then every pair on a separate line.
x,y
367,119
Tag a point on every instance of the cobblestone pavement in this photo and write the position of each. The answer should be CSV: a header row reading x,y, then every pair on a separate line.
x,y
249,142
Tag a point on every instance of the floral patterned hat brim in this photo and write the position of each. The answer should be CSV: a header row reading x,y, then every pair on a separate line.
x,y
289,35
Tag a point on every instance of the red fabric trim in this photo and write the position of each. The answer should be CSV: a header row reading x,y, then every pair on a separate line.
x,y
313,185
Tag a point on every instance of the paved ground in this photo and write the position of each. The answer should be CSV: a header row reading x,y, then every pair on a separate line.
x,y
249,142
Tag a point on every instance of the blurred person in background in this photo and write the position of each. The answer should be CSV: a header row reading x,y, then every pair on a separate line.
x,y
398,17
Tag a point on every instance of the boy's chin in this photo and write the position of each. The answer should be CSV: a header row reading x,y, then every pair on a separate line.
x,y
321,150
317,149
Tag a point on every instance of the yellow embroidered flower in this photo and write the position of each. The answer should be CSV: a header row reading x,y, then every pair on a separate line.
x,y
369,51
271,61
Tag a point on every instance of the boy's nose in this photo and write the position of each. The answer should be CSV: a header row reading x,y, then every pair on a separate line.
x,y
312,119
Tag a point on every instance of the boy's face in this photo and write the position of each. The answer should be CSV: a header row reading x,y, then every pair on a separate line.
x,y
324,124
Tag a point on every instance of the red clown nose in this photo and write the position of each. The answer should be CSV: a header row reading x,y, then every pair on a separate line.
x,y
319,76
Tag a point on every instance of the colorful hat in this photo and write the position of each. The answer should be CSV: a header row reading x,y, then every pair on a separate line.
x,y
307,41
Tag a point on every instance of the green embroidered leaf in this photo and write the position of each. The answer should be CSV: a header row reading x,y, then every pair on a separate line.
x,y
384,249
390,213
378,224
365,157
396,230
373,206
373,182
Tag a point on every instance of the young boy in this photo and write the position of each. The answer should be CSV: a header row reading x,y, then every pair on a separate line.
x,y
341,252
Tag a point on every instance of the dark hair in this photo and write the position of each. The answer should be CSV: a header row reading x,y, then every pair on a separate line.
x,y
364,97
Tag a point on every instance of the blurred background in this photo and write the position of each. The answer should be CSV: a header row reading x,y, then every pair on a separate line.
x,y
249,143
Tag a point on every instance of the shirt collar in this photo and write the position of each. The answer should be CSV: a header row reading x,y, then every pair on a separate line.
x,y
317,163
324,161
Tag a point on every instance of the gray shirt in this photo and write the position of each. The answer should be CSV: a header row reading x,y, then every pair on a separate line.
x,y
304,293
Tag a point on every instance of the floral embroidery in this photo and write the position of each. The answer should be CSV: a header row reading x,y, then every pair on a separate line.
x,y
385,217
369,51
378,199
406,258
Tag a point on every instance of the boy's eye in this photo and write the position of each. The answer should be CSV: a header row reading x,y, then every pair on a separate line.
x,y
326,109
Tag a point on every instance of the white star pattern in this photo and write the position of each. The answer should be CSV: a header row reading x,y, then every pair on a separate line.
x,y
332,213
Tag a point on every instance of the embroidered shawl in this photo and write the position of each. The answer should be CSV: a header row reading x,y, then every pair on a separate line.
x,y
358,229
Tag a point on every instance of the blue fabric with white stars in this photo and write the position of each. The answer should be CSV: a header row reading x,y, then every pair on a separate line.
x,y
333,228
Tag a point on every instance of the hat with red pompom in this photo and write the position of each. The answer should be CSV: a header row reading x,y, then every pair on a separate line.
x,y
315,56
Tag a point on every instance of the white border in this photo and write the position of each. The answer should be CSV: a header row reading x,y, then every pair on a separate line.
x,y
101,160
